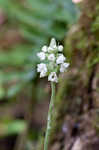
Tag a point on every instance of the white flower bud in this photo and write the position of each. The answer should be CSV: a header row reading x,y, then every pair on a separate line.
x,y
63,67
53,77
44,48
53,43
41,55
60,48
61,58
51,57
52,47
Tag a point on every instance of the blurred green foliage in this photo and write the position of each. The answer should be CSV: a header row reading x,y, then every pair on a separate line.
x,y
28,25
12,127
36,21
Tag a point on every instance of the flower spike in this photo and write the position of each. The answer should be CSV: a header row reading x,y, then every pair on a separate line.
x,y
52,61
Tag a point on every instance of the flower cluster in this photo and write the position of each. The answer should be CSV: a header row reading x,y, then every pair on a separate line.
x,y
52,61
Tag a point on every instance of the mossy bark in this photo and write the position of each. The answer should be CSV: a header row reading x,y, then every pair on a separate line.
x,y
78,91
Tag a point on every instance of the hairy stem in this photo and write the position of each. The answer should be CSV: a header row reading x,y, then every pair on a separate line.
x,y
50,117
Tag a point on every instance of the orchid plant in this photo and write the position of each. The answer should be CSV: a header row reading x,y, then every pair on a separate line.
x,y
52,63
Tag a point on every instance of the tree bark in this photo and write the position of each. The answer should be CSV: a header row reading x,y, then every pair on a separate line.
x,y
77,100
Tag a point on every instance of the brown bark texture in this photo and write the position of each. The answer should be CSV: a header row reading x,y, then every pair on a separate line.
x,y
76,125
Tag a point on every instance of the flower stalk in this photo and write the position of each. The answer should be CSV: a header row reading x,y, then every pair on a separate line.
x,y
50,117
52,63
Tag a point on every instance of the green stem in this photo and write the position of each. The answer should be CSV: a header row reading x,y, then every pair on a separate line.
x,y
50,119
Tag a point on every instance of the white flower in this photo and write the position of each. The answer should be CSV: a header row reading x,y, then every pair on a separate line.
x,y
51,57
41,55
61,58
42,73
63,67
60,48
41,67
44,48
53,77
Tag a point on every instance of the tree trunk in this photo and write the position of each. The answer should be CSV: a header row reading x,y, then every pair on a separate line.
x,y
76,125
